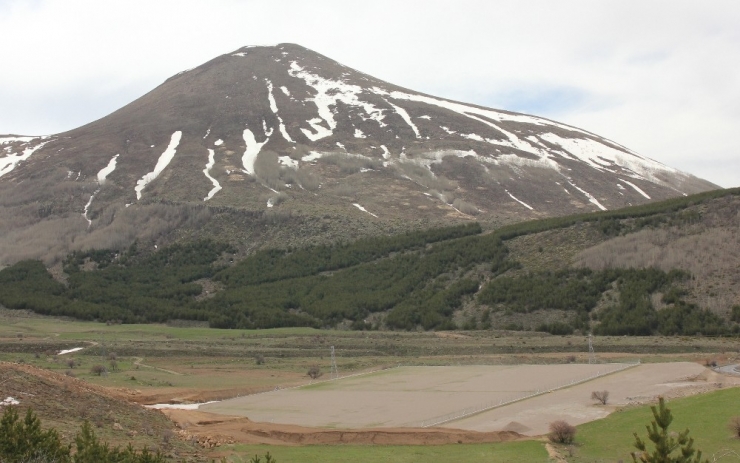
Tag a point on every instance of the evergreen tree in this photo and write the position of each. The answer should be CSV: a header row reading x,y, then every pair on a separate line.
x,y
665,444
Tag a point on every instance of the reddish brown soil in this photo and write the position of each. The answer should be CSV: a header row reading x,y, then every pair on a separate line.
x,y
223,429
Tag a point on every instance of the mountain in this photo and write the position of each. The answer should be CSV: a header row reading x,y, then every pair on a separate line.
x,y
269,146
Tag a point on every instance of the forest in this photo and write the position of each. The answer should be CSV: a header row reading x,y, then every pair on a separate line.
x,y
409,281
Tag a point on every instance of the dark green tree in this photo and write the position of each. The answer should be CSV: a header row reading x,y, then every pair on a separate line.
x,y
22,441
666,444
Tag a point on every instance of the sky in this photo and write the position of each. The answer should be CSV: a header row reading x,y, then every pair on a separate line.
x,y
660,77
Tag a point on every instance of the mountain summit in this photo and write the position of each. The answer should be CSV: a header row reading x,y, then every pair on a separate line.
x,y
282,134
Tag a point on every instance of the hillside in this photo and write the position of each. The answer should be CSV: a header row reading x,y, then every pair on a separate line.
x,y
281,146
662,268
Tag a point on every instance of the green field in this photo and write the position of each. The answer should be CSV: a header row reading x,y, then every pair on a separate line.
x,y
507,452
706,416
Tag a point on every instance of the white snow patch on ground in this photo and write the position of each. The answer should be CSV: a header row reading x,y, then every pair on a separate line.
x,y
341,146
312,156
328,93
218,142
107,170
364,210
87,208
207,172
425,117
207,132
359,133
287,161
253,149
163,161
9,401
69,351
405,116
590,197
637,189
8,163
519,201
241,53
6,140
600,156
179,406
321,131
270,203
386,153
285,90
274,108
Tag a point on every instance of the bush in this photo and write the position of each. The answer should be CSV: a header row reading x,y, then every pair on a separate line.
x,y
314,372
600,396
734,426
561,432
259,359
98,370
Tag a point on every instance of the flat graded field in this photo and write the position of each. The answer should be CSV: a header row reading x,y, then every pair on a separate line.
x,y
406,396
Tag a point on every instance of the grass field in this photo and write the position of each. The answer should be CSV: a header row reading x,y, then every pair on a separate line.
x,y
706,415
507,452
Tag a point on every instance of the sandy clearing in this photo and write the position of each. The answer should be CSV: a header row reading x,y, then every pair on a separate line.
x,y
574,405
404,396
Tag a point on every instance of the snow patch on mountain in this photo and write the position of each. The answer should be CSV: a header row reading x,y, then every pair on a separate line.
x,y
287,161
590,197
636,188
87,208
274,108
163,161
405,116
328,93
364,210
218,142
519,201
359,133
253,148
107,170
601,157
9,162
207,172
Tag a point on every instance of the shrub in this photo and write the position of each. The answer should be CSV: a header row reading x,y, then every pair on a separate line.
x,y
314,372
259,359
98,370
734,426
600,396
561,432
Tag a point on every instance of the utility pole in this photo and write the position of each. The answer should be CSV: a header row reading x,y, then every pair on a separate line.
x,y
334,371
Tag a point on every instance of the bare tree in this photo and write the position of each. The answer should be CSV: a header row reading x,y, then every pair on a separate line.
x,y
314,372
98,370
561,432
71,363
600,396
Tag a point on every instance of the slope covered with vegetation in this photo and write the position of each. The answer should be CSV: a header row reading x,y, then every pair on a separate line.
x,y
417,280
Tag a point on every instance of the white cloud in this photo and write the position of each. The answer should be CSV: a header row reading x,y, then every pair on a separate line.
x,y
660,77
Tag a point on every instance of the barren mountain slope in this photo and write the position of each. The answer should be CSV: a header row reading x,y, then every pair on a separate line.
x,y
268,140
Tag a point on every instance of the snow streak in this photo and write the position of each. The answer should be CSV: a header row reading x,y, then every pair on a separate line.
x,y
207,172
637,189
163,161
590,197
274,108
364,210
8,163
519,201
107,170
253,149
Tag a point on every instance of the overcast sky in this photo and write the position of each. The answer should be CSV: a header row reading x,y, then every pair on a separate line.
x,y
660,77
